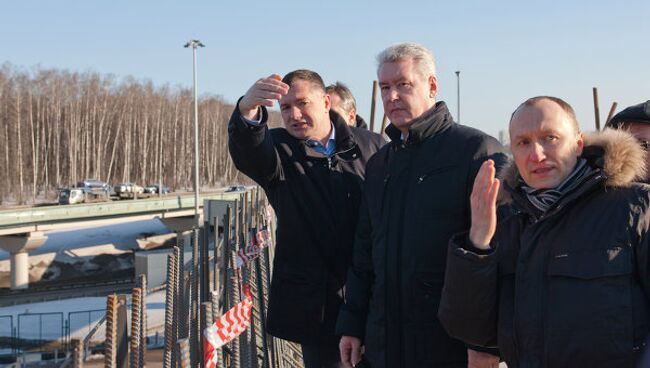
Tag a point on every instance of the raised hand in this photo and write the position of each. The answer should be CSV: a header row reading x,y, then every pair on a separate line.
x,y
262,93
484,209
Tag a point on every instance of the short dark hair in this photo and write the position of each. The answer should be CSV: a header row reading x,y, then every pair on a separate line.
x,y
348,102
305,75
563,105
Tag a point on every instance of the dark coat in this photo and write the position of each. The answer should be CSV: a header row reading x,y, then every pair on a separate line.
x,y
360,123
316,201
416,196
564,289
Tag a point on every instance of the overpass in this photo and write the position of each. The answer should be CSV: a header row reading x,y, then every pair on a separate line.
x,y
21,229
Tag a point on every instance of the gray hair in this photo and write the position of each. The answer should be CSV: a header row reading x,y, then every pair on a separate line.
x,y
423,58
348,102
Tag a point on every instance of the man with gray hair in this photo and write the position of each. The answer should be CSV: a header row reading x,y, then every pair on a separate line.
x,y
344,104
416,196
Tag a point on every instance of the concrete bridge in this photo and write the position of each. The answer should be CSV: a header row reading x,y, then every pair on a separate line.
x,y
22,229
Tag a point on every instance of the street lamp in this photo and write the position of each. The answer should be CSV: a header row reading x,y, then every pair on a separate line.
x,y
194,44
458,95
197,272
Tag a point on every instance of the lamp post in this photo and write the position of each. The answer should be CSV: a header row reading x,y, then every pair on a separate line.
x,y
458,95
194,44
195,329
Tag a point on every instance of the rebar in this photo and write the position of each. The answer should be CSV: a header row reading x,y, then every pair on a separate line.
x,y
194,301
136,328
142,284
184,352
77,353
170,323
110,350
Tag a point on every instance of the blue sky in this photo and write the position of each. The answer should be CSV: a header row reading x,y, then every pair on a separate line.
x,y
506,51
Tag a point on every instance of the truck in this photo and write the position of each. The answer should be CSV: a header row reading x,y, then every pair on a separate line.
x,y
89,190
129,190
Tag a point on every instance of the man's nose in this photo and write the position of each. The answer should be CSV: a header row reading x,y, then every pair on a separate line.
x,y
295,113
537,152
393,94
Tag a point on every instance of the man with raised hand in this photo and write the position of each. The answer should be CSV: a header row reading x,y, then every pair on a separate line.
x,y
563,280
311,171
416,195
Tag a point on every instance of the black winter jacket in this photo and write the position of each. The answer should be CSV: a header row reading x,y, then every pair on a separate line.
x,y
568,288
416,196
316,201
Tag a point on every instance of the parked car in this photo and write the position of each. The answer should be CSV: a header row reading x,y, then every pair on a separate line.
x,y
128,190
71,196
153,189
236,188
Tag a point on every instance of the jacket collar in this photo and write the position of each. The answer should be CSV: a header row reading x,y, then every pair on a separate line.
x,y
343,134
432,122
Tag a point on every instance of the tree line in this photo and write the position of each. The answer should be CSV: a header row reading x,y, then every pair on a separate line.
x,y
58,127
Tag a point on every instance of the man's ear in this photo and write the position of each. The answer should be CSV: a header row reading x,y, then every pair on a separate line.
x,y
352,117
328,102
580,144
433,86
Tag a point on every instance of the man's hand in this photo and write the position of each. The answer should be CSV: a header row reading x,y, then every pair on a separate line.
x,y
477,359
484,209
350,349
262,93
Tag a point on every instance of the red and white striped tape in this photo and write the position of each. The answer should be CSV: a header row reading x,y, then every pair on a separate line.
x,y
226,328
261,240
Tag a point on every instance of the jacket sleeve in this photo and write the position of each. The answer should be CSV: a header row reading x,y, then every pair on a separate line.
x,y
487,149
252,149
352,316
468,304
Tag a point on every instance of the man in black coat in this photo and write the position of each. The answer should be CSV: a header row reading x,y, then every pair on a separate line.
x,y
636,120
416,195
564,280
312,171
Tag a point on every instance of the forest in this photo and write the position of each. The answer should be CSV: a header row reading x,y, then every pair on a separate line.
x,y
58,127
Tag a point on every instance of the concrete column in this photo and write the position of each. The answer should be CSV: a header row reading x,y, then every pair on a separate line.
x,y
19,270
18,247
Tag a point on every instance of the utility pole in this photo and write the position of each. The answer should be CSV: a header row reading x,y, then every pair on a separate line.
x,y
458,95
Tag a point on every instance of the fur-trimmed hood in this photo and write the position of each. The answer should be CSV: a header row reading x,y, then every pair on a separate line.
x,y
616,152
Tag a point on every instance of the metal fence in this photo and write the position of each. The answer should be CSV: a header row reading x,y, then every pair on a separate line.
x,y
80,323
45,332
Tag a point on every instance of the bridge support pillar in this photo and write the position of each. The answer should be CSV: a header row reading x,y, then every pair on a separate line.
x,y
19,247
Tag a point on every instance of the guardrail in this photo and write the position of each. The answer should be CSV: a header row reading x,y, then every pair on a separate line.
x,y
99,210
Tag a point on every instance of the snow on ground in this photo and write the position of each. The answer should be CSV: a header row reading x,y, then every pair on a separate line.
x,y
69,253
83,314
122,235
